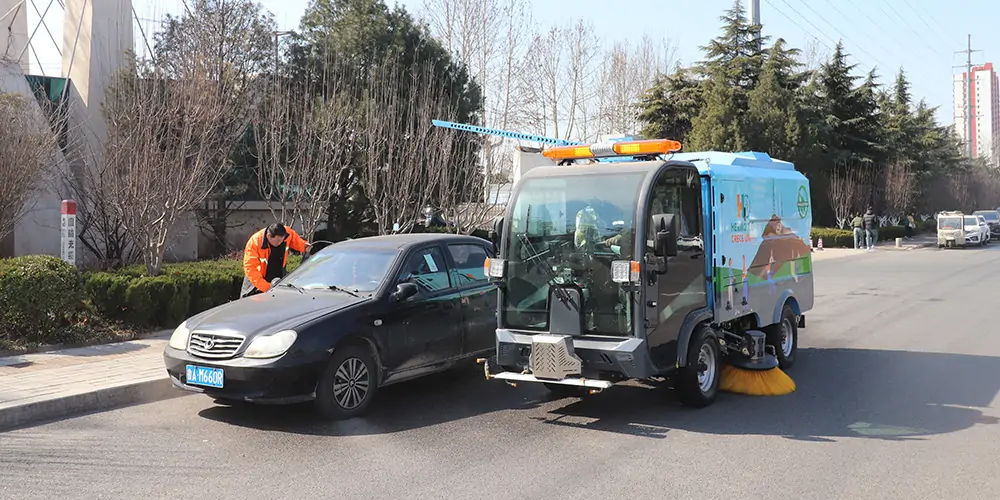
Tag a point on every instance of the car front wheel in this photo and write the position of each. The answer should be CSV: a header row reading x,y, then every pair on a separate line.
x,y
698,382
348,383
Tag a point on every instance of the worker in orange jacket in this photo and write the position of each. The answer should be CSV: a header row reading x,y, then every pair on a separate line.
x,y
259,268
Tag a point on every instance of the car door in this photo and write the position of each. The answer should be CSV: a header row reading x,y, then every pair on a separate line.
x,y
426,329
479,296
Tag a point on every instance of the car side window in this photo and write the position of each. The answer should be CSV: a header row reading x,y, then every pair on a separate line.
x,y
426,269
469,260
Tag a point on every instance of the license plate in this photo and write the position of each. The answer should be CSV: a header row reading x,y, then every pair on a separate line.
x,y
203,375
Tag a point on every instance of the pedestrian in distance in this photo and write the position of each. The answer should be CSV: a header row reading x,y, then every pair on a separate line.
x,y
265,257
858,230
870,226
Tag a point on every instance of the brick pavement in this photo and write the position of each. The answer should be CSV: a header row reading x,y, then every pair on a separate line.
x,y
60,383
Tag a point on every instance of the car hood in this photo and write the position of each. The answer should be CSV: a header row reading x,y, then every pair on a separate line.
x,y
271,312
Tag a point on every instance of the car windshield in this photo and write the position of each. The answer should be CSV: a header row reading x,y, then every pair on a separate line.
x,y
354,269
568,230
971,221
989,215
949,223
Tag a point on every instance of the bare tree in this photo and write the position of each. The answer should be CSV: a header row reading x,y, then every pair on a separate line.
x,y
304,141
27,155
399,140
240,37
843,195
169,141
900,187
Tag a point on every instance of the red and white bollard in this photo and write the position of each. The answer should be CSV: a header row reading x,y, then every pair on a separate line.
x,y
820,244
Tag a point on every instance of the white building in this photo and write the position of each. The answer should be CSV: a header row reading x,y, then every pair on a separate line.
x,y
983,92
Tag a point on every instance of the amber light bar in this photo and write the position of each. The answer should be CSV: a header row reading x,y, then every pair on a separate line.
x,y
623,148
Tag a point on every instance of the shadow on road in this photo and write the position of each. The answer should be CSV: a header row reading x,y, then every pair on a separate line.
x,y
444,397
892,395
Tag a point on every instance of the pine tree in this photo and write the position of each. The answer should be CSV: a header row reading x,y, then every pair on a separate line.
x,y
773,109
669,106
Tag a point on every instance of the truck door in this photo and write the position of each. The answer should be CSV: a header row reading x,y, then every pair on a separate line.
x,y
672,296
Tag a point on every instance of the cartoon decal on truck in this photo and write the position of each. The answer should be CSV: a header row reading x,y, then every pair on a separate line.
x,y
766,232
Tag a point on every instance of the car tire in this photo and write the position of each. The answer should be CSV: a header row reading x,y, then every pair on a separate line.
x,y
786,328
348,384
698,388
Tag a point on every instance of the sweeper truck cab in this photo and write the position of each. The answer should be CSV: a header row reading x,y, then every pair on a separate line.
x,y
627,260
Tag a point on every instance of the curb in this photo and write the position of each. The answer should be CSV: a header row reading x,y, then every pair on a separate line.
x,y
108,398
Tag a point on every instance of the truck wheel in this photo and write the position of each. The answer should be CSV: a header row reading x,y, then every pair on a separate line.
x,y
784,337
698,381
348,383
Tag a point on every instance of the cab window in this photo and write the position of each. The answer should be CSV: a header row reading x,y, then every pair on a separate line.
x,y
426,269
469,260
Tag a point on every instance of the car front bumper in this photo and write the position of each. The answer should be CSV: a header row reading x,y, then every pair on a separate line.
x,y
276,381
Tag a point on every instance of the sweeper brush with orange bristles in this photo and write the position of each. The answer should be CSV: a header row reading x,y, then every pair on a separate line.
x,y
773,382
757,375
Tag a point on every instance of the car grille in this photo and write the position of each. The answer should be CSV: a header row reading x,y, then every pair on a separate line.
x,y
214,345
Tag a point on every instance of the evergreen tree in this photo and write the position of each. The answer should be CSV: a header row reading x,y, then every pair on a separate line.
x,y
773,109
670,105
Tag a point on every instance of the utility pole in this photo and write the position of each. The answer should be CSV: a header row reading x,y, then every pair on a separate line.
x,y
753,15
968,87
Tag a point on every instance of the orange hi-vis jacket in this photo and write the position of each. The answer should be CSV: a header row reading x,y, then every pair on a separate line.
x,y
258,251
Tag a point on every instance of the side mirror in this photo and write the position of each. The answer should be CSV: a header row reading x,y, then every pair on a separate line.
x,y
404,291
495,234
665,244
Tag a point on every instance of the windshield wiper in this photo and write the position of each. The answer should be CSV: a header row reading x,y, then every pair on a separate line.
x,y
339,289
289,285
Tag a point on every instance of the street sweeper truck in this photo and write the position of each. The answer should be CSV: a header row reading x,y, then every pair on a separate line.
x,y
631,260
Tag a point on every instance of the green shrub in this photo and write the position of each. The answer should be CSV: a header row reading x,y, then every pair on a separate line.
x,y
40,297
832,237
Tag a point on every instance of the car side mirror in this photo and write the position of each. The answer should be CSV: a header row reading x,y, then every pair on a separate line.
x,y
404,291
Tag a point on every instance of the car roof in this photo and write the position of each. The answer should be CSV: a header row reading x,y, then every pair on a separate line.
x,y
404,241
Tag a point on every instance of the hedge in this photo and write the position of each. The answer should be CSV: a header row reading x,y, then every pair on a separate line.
x,y
41,297
844,238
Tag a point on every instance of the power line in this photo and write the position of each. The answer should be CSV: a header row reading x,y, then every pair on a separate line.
x,y
872,21
806,19
842,36
942,31
915,32
849,19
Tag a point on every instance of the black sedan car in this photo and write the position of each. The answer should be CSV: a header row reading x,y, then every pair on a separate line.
x,y
355,316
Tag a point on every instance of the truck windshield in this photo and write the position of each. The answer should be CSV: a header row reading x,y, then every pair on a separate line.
x,y
568,230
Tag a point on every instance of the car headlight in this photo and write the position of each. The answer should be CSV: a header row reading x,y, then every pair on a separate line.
x,y
179,339
269,346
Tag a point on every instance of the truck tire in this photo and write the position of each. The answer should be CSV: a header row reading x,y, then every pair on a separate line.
x,y
784,337
698,388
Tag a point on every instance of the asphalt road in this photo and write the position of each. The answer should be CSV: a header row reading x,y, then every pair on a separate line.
x,y
897,382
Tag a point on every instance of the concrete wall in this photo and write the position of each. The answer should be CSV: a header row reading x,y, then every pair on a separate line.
x,y
14,14
38,231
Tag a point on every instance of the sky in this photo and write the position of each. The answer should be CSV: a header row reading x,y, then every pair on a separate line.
x,y
921,36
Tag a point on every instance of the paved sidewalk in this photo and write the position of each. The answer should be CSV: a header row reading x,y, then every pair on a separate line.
x,y
917,242
57,384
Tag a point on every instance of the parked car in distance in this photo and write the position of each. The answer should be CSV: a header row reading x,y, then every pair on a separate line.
x,y
354,317
975,232
986,229
992,220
